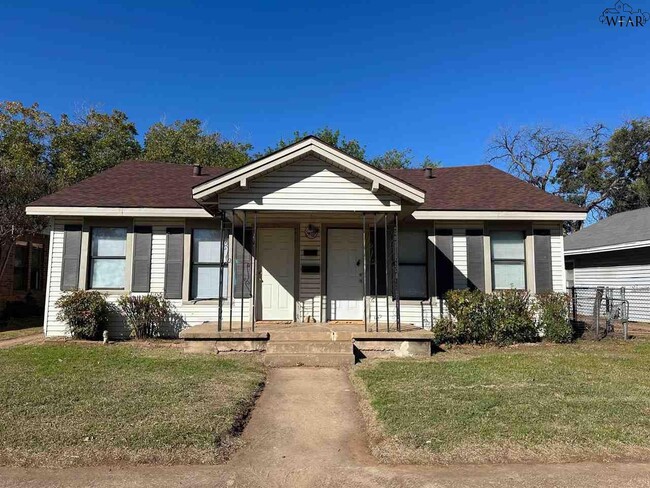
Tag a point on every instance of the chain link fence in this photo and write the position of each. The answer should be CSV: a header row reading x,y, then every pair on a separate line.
x,y
617,311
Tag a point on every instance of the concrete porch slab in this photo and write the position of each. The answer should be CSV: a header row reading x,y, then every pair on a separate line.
x,y
298,337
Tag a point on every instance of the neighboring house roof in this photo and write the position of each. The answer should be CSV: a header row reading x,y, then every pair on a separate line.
x,y
142,184
626,230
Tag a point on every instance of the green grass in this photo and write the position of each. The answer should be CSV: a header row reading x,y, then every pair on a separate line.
x,y
529,403
77,404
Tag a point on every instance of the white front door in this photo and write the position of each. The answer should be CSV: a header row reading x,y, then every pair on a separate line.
x,y
345,274
276,261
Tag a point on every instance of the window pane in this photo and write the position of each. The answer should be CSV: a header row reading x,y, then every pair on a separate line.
x,y
413,247
413,281
205,282
206,246
109,241
507,245
509,275
107,273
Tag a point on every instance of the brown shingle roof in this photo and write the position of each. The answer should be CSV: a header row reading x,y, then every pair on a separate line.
x,y
480,187
166,185
134,184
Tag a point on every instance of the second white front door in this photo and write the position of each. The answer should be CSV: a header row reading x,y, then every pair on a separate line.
x,y
345,274
276,261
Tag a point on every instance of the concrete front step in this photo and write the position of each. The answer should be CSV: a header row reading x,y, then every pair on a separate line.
x,y
323,360
309,347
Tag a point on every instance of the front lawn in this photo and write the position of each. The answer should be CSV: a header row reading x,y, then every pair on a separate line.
x,y
80,404
548,403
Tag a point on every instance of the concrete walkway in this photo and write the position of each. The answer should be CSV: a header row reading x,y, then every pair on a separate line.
x,y
21,341
306,431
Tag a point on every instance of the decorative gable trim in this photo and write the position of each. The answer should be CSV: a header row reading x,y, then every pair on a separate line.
x,y
242,176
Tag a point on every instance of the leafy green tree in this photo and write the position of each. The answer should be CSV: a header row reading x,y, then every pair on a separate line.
x,y
21,184
351,147
92,142
25,133
431,163
401,159
391,159
628,150
187,142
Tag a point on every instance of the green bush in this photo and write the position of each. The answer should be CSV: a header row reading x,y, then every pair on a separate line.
x,y
145,315
554,316
86,313
513,317
503,317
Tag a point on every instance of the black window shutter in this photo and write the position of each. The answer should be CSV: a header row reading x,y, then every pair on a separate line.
x,y
543,265
444,262
141,259
71,257
475,259
174,263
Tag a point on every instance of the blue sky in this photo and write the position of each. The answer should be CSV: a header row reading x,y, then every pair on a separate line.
x,y
438,77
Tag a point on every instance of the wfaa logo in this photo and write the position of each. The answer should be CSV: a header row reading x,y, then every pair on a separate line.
x,y
622,15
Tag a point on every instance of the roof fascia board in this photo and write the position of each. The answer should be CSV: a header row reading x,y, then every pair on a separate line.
x,y
227,179
117,211
384,179
613,247
364,170
496,215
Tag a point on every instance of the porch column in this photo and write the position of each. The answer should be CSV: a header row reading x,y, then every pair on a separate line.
x,y
396,274
376,261
253,271
386,271
231,259
222,246
365,278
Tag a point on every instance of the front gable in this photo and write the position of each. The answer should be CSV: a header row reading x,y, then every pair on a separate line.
x,y
309,184
307,176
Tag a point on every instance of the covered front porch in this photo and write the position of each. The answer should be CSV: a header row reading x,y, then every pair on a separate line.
x,y
278,269
307,235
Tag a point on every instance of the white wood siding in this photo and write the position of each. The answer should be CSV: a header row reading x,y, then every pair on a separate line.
x,y
309,184
412,313
460,259
189,313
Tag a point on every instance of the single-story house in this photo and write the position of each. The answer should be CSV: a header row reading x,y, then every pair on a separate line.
x,y
305,234
613,252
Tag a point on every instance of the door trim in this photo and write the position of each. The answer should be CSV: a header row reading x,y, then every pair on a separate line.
x,y
325,271
296,266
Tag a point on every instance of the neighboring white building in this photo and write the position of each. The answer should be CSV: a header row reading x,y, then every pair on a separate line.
x,y
615,253
306,233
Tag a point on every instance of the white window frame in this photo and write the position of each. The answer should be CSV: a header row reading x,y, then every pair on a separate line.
x,y
92,258
494,260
